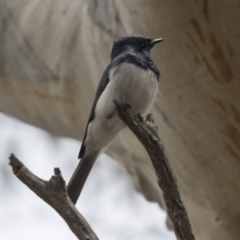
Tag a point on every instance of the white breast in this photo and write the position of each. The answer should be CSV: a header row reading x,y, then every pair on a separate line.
x,y
127,84
135,86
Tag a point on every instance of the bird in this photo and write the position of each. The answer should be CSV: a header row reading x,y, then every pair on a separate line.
x,y
131,78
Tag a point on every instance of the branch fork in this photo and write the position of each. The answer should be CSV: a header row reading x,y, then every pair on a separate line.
x,y
54,191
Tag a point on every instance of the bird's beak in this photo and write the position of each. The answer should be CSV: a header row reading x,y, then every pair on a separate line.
x,y
155,41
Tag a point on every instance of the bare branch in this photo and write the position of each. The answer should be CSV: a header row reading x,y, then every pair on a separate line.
x,y
146,132
54,193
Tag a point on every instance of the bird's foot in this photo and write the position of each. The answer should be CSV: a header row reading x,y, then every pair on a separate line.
x,y
150,122
140,118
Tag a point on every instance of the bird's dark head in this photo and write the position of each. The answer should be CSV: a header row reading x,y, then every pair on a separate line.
x,y
133,43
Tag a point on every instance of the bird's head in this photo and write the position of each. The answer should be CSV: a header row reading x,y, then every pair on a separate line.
x,y
133,43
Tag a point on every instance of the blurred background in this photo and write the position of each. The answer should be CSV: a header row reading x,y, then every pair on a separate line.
x,y
109,201
52,55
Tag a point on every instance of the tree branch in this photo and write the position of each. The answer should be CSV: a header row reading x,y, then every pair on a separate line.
x,y
54,193
146,132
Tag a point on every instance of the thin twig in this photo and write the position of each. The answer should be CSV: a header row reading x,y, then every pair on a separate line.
x,y
54,193
146,132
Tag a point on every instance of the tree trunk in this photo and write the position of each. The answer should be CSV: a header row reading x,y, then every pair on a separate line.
x,y
52,55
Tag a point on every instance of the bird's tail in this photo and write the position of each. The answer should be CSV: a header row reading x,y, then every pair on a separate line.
x,y
79,177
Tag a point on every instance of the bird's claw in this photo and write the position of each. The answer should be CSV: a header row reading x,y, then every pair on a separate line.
x,y
140,118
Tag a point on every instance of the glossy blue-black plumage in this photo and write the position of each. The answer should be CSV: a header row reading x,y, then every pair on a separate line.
x,y
133,49
102,85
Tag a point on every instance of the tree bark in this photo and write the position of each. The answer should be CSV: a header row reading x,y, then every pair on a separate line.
x,y
54,193
146,132
52,55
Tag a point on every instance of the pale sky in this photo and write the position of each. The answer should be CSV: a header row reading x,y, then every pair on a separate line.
x,y
109,201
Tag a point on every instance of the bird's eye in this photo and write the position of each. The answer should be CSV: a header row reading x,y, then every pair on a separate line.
x,y
141,43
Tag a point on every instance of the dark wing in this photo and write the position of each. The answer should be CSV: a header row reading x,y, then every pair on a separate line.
x,y
101,87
